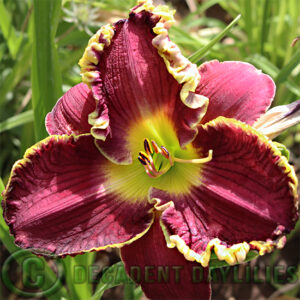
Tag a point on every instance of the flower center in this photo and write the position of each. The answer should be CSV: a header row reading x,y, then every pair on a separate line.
x,y
158,160
162,164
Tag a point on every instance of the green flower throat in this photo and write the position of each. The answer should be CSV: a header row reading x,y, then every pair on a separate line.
x,y
158,161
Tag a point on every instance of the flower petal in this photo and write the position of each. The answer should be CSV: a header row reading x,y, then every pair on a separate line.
x,y
235,90
70,114
141,73
59,200
278,119
162,272
245,197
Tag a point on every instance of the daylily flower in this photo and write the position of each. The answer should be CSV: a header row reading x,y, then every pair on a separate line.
x,y
159,158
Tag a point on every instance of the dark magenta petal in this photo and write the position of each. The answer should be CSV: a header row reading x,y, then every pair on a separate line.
x,y
162,272
235,90
70,114
123,66
59,200
246,193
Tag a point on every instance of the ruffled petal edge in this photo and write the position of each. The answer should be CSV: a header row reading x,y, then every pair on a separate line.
x,y
183,71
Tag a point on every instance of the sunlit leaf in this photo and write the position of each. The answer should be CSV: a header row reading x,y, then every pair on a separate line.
x,y
201,52
13,39
18,120
46,74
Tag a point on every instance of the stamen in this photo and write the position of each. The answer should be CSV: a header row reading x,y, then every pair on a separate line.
x,y
144,156
165,152
156,148
196,160
149,174
167,155
147,146
147,159
142,161
153,173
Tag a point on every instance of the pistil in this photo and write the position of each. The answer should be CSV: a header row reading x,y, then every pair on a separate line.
x,y
151,149
195,160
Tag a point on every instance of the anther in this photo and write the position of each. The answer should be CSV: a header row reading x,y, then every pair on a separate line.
x,y
155,147
142,161
143,156
147,146
156,167
165,152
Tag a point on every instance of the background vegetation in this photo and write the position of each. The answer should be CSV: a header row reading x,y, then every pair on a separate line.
x,y
41,42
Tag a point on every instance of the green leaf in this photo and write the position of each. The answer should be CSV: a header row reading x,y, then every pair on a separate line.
x,y
268,67
18,120
231,7
201,52
46,75
113,276
2,50
129,291
264,64
138,293
77,272
265,27
2,187
216,263
248,10
288,68
18,71
74,38
200,10
13,40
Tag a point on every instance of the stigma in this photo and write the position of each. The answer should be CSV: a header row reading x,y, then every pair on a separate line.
x,y
158,160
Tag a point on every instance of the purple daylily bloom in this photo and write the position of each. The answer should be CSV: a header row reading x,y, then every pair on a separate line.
x,y
158,158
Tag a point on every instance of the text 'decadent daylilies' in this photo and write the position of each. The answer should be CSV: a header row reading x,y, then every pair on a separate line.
x,y
158,157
